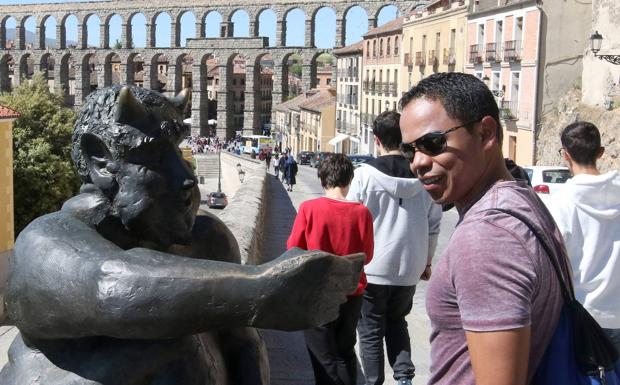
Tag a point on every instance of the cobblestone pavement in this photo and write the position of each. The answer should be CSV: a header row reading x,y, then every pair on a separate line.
x,y
288,358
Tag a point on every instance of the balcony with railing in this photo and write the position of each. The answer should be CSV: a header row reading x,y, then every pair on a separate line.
x,y
475,53
449,57
379,88
366,85
432,57
420,58
509,110
408,60
492,53
512,50
393,89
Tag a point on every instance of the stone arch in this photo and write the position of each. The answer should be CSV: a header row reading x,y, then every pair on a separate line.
x,y
136,26
324,30
112,35
67,31
160,19
90,29
46,68
264,76
112,69
184,72
291,78
67,79
241,26
8,21
205,95
47,30
352,31
210,23
263,16
160,72
136,72
321,74
185,27
26,67
90,81
28,40
288,36
7,72
385,13
235,86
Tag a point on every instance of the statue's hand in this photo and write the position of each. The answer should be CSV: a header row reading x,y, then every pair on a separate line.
x,y
301,289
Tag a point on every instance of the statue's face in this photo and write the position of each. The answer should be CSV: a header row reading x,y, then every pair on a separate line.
x,y
157,196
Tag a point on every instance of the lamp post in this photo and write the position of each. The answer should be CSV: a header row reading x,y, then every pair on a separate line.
x,y
596,40
219,169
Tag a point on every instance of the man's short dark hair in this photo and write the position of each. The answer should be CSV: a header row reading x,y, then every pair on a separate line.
x,y
464,97
582,140
336,170
386,127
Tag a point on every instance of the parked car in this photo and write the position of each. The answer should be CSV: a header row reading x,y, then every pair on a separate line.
x,y
217,200
318,158
357,160
305,157
547,179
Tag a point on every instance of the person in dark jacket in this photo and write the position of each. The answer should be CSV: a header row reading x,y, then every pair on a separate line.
x,y
283,167
291,172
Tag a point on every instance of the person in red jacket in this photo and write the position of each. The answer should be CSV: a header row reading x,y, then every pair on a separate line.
x,y
341,227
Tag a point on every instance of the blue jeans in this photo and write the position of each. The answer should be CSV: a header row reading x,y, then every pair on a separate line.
x,y
383,316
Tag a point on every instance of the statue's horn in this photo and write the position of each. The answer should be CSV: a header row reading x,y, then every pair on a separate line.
x,y
128,109
182,99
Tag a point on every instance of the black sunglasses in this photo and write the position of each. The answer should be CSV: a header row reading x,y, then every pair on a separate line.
x,y
433,143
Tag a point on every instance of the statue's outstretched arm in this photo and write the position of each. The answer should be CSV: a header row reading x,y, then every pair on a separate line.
x,y
67,281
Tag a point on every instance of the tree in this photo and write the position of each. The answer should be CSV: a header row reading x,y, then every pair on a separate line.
x,y
118,44
295,69
43,175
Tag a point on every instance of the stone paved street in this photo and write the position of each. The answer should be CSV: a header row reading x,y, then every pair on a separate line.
x,y
288,358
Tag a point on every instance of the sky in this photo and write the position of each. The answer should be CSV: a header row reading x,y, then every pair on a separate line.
x,y
356,26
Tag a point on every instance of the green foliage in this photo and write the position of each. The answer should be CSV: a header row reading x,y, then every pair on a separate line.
x,y
295,69
118,44
43,174
324,59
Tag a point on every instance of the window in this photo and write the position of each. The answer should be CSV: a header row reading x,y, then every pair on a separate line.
x,y
388,48
396,46
499,29
480,33
381,47
374,48
495,84
368,49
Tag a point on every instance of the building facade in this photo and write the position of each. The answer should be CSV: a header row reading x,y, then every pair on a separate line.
x,y
348,98
381,87
7,231
318,121
503,49
434,41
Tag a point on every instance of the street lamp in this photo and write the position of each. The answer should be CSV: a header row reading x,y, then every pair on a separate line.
x,y
240,172
596,40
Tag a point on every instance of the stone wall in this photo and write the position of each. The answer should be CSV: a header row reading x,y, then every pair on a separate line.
x,y
569,109
245,213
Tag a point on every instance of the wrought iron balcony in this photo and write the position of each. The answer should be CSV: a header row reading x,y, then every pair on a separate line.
x,y
475,53
509,110
420,58
408,61
449,58
512,50
492,53
432,57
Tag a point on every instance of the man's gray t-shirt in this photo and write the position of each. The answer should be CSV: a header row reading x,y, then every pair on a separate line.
x,y
493,276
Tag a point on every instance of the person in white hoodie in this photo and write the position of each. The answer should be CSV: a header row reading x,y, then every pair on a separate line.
x,y
406,227
587,213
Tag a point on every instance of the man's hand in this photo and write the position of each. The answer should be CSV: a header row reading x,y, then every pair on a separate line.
x,y
426,274
302,289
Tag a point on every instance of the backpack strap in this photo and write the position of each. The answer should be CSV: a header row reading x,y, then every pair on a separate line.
x,y
567,288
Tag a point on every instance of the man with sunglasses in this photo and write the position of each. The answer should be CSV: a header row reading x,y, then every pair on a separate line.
x,y
493,299
406,226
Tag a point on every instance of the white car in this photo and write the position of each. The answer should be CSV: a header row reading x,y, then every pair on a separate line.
x,y
547,179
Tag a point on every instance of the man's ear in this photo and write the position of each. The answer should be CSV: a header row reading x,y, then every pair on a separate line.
x,y
98,160
488,131
601,151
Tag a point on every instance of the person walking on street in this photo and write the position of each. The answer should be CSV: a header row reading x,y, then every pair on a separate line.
x,y
268,159
283,160
406,227
276,165
291,172
588,214
341,227
494,299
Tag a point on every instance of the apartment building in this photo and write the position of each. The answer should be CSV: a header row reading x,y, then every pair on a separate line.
x,y
318,121
381,88
348,98
434,41
287,121
503,50
7,231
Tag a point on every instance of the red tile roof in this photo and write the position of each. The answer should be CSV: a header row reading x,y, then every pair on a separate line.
x,y
352,48
321,99
7,113
393,26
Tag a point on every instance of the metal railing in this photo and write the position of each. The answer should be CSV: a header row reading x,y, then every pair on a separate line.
x,y
475,53
420,58
408,61
432,57
393,89
512,50
509,110
449,58
491,53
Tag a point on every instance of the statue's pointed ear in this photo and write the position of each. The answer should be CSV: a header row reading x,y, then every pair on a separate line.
x,y
181,101
128,109
98,160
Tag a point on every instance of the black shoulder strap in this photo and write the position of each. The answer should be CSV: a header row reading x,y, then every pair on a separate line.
x,y
567,287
